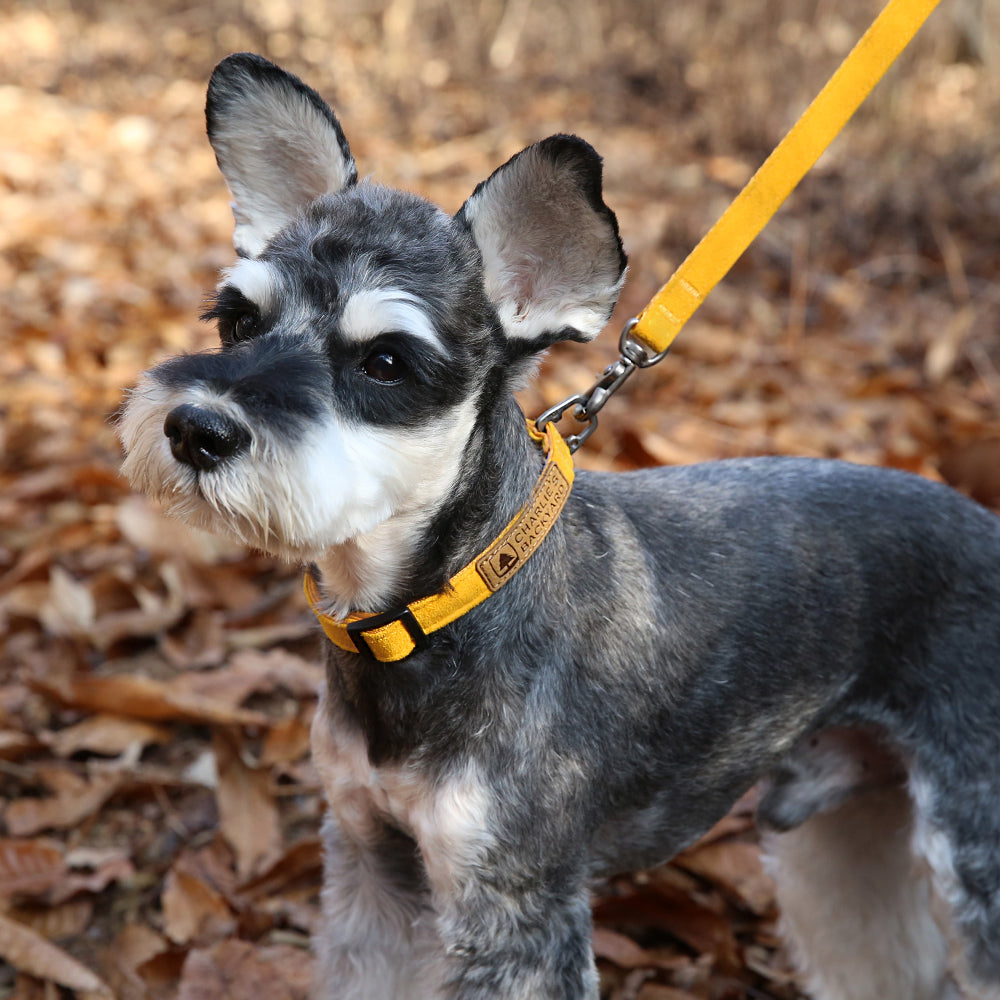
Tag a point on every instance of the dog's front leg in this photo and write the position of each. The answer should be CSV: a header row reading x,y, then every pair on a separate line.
x,y
525,940
378,940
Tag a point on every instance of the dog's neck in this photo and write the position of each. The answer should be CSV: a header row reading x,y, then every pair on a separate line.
x,y
412,554
367,572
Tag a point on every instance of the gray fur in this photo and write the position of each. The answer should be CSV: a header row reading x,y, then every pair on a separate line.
x,y
679,635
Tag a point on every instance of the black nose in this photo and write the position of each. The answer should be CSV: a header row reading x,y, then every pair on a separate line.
x,y
201,437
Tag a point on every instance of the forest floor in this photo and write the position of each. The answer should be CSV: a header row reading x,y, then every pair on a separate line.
x,y
159,813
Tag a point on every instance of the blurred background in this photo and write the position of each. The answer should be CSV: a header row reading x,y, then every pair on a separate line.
x,y
158,813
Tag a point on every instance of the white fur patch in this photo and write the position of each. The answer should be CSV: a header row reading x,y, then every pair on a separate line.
x,y
932,844
453,829
372,311
375,942
256,279
149,465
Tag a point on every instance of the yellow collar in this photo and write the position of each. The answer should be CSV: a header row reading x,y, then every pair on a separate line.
x,y
394,635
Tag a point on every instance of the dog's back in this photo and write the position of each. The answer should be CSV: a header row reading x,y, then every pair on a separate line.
x,y
842,623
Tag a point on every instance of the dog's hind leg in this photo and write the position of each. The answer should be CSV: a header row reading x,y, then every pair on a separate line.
x,y
955,774
855,909
957,834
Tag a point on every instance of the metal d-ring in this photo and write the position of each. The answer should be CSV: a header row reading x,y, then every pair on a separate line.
x,y
636,350
555,413
634,354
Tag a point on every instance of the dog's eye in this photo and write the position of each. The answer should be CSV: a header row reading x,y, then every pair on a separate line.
x,y
384,367
237,317
235,327
241,327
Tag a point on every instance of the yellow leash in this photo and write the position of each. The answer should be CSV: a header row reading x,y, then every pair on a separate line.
x,y
394,635
646,339
672,306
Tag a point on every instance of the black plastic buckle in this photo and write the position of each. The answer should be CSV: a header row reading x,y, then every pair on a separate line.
x,y
356,630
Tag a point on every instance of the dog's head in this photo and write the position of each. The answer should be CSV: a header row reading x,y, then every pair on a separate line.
x,y
364,332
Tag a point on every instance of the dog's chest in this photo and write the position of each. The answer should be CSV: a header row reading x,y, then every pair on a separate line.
x,y
358,792
447,815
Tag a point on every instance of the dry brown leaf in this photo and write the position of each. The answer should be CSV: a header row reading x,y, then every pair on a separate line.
x,y
646,448
248,816
14,745
117,625
30,867
213,696
68,807
268,670
69,608
295,966
112,865
200,644
29,988
137,943
134,946
225,686
263,636
302,859
161,973
57,923
736,868
28,951
286,742
238,971
105,734
658,991
61,778
974,467
626,954
619,949
687,920
149,529
24,600
240,593
144,698
213,865
193,910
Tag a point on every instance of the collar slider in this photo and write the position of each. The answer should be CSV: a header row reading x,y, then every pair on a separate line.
x,y
357,629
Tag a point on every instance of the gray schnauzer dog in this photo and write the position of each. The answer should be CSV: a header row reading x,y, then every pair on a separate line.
x,y
677,636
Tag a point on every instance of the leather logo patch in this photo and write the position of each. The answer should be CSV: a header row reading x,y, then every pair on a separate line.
x,y
510,551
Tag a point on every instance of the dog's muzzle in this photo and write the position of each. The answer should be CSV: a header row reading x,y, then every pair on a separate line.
x,y
203,438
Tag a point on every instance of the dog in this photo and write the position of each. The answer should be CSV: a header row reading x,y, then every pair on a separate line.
x,y
670,636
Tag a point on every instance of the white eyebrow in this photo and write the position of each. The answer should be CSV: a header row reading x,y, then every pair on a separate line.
x,y
255,279
372,311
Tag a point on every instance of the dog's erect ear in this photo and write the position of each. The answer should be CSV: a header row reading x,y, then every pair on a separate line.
x,y
277,143
552,258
